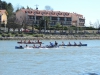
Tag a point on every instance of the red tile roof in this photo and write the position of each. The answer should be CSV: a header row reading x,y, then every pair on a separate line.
x,y
50,13
46,13
3,11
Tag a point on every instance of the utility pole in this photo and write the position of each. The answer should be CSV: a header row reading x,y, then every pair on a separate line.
x,y
36,6
0,4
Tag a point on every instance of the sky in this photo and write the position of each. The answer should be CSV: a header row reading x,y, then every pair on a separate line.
x,y
88,8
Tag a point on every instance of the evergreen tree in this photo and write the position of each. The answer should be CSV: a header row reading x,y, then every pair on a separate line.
x,y
6,6
0,4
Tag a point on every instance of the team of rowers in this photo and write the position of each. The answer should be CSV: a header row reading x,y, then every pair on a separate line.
x,y
29,41
56,44
51,44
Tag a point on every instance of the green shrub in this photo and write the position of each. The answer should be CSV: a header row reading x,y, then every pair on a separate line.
x,y
21,35
16,34
37,35
3,35
8,35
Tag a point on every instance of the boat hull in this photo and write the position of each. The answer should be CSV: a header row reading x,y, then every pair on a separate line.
x,y
19,47
75,45
29,42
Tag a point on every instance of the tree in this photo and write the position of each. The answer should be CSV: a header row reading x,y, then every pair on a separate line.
x,y
47,22
58,25
13,23
8,7
28,7
47,7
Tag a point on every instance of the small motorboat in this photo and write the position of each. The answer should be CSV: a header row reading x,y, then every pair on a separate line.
x,y
19,47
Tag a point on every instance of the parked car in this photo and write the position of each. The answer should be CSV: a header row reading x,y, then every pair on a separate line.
x,y
26,30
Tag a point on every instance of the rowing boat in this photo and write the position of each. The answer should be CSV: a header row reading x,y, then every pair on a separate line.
x,y
30,43
74,45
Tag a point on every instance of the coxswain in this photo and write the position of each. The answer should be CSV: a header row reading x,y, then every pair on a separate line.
x,y
56,43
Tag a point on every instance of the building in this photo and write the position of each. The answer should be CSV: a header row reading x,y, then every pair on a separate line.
x,y
3,17
78,20
30,16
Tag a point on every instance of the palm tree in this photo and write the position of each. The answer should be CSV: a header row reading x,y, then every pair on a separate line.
x,y
41,24
57,26
62,27
47,23
32,26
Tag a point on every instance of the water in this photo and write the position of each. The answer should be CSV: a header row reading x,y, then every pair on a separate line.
x,y
62,61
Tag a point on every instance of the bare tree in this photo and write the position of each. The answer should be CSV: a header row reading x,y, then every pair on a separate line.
x,y
97,24
47,7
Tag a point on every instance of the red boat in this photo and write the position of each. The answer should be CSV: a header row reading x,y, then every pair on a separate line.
x,y
24,42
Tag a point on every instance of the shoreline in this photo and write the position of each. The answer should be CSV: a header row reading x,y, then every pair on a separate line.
x,y
51,38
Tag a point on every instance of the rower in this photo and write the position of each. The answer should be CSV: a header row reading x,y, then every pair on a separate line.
x,y
25,41
34,46
26,45
80,43
29,41
75,43
38,41
21,41
63,43
51,44
69,43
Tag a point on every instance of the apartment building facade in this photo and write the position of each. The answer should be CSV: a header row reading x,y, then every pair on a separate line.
x,y
30,16
3,17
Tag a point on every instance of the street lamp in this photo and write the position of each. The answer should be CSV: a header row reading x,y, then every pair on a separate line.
x,y
4,24
45,26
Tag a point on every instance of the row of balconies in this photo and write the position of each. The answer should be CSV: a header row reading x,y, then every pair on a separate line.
x,y
52,18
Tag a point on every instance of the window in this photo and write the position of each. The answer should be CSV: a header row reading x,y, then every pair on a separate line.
x,y
38,17
54,18
69,19
81,20
31,17
61,18
25,11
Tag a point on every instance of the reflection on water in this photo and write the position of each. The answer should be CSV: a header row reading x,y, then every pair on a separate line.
x,y
61,61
